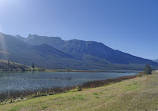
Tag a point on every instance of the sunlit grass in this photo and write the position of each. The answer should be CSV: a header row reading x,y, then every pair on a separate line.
x,y
134,94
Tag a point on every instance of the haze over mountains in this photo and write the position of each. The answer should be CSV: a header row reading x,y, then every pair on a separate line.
x,y
156,60
55,53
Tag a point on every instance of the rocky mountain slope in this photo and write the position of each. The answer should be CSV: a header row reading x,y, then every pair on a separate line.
x,y
55,53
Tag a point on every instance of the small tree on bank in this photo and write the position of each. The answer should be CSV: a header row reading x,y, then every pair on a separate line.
x,y
148,69
33,65
79,88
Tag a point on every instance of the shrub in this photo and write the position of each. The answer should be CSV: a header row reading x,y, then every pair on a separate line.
x,y
79,88
147,69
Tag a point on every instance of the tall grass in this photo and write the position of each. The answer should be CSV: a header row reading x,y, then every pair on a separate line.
x,y
12,95
93,84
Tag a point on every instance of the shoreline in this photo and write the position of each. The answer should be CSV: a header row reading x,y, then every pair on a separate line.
x,y
23,95
69,70
134,94
117,71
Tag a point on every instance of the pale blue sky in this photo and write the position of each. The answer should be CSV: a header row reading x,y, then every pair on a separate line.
x,y
127,25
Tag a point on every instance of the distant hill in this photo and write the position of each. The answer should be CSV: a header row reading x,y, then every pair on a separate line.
x,y
55,53
12,66
156,60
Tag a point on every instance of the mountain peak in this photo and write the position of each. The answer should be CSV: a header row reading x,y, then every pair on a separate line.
x,y
30,36
53,52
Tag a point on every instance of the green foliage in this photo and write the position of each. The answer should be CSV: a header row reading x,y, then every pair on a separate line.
x,y
148,69
95,93
16,108
79,88
78,97
44,106
131,87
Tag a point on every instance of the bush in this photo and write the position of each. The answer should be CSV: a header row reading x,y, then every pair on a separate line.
x,y
147,69
79,88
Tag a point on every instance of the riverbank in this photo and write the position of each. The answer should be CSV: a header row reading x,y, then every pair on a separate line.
x,y
37,69
69,70
135,94
12,96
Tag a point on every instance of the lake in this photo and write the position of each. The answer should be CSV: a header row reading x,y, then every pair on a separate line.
x,y
42,80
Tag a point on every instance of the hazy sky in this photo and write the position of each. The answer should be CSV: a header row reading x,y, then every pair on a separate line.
x,y
127,25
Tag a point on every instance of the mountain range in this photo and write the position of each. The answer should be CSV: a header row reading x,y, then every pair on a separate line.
x,y
55,53
156,60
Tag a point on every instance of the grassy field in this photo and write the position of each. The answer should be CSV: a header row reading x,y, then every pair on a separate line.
x,y
138,94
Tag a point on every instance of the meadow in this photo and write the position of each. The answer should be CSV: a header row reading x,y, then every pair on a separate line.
x,y
140,93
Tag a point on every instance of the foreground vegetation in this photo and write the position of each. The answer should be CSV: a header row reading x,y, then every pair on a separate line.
x,y
140,93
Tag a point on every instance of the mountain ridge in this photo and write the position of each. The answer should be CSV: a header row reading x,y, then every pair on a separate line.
x,y
55,53
77,45
155,60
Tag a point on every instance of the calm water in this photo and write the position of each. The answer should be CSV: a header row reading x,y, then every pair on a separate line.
x,y
40,80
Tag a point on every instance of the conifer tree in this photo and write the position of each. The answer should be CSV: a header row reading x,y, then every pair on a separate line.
x,y
33,65
148,69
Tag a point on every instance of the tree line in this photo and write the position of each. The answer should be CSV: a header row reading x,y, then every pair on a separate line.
x,y
12,66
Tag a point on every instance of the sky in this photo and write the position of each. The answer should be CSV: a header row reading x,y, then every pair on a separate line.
x,y
127,25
